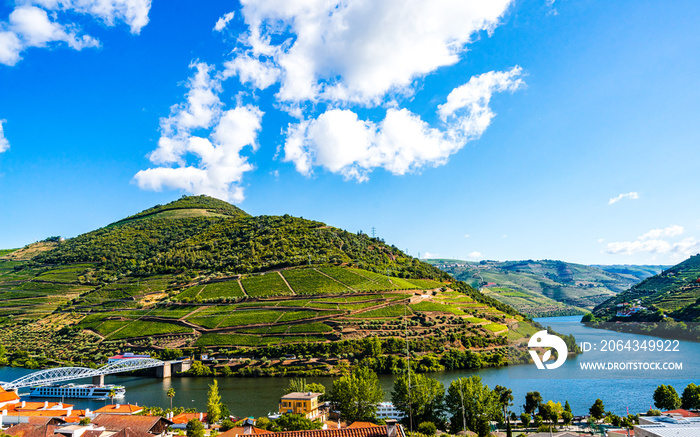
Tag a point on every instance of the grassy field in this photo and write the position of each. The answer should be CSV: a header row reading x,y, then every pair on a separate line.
x,y
310,328
269,284
309,281
224,289
251,317
143,329
434,306
227,339
190,293
385,312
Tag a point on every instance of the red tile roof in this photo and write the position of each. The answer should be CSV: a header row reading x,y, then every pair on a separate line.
x,y
372,431
120,409
186,417
117,422
684,413
239,430
30,430
362,425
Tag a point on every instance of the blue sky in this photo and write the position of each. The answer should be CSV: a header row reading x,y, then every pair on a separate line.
x,y
481,130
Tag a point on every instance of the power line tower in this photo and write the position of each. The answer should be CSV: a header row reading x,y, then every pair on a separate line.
x,y
374,231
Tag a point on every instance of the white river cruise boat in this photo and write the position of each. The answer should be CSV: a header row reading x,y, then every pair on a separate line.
x,y
82,391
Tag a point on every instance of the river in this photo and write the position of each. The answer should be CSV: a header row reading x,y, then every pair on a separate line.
x,y
260,396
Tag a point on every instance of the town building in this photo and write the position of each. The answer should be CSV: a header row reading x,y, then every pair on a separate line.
x,y
180,420
667,425
154,425
305,404
387,410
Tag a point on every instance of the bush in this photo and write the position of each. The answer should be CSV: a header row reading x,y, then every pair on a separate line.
x,y
427,428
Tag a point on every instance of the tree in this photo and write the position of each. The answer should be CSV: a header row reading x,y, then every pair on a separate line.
x,y
427,428
532,402
111,395
597,410
505,399
85,421
171,395
567,417
372,347
525,418
299,385
297,422
195,428
422,401
226,424
551,411
666,398
469,401
357,395
691,397
567,407
213,403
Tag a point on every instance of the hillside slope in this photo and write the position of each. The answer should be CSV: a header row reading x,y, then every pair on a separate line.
x,y
673,293
545,287
198,273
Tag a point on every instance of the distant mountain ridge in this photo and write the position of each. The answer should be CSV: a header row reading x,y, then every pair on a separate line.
x,y
674,293
547,287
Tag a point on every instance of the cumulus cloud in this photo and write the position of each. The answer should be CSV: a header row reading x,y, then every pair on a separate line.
x,y
630,195
251,71
38,23
474,255
657,241
218,165
328,60
429,255
671,231
4,144
342,143
222,22
359,51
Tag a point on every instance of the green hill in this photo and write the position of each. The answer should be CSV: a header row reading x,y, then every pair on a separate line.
x,y
545,287
199,273
673,293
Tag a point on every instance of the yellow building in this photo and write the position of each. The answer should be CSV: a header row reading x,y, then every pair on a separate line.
x,y
300,403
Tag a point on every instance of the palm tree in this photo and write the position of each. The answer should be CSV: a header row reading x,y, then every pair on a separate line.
x,y
111,395
171,395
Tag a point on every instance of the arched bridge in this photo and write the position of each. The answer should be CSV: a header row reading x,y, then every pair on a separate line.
x,y
59,374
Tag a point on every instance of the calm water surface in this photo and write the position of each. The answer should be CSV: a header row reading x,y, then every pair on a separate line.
x,y
259,396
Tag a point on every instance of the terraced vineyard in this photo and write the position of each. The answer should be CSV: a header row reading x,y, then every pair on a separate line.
x,y
199,273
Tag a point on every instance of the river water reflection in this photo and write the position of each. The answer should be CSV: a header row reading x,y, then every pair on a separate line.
x,y
260,396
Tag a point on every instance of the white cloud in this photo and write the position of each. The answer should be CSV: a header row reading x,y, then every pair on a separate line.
x,y
359,51
222,22
474,255
220,165
342,143
4,144
428,255
132,12
467,235
251,71
327,57
657,241
671,231
601,240
31,25
630,195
